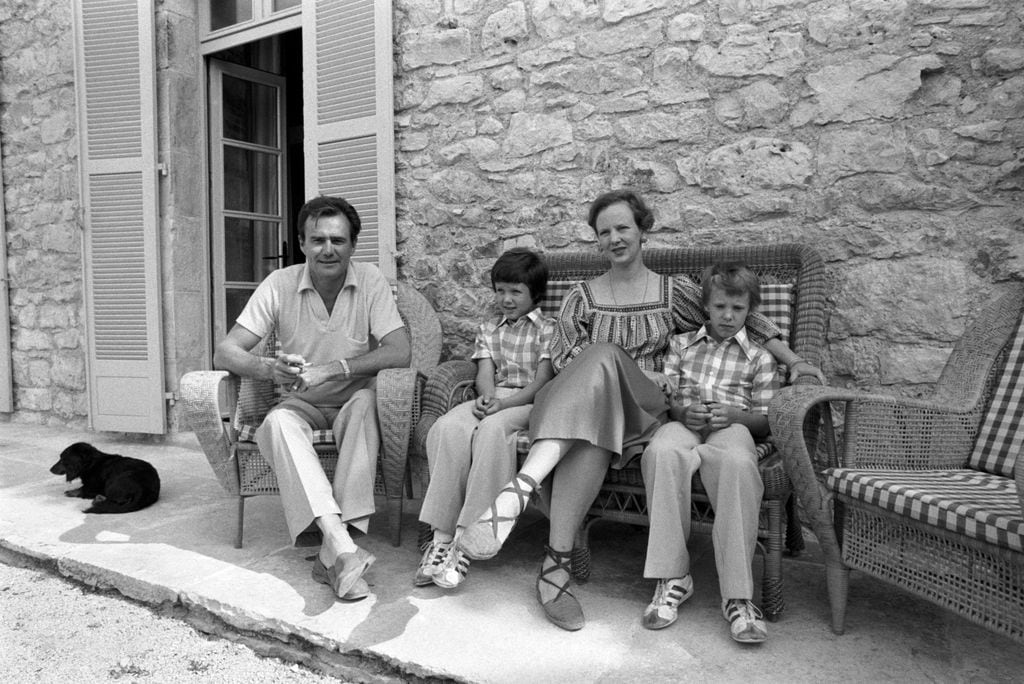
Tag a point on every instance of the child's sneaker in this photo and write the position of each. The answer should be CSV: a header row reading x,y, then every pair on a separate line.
x,y
745,620
453,569
664,607
431,561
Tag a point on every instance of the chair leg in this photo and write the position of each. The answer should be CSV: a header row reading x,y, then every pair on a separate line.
x,y
794,529
395,518
241,521
772,602
424,535
837,578
581,550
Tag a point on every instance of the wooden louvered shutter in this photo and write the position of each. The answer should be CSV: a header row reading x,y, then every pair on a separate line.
x,y
115,80
349,116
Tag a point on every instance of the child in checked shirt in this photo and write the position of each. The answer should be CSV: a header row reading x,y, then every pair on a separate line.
x,y
723,382
471,450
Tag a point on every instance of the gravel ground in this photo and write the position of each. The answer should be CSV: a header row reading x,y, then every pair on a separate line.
x,y
54,630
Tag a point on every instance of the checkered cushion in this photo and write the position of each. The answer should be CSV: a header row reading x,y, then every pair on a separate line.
x,y
247,433
776,302
1001,438
978,505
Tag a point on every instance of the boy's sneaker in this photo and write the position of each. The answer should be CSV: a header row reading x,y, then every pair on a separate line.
x,y
453,569
746,623
431,561
664,607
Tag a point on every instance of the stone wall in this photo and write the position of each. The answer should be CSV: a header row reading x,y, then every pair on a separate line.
x,y
887,133
40,153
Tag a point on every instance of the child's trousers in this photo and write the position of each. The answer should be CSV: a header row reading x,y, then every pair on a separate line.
x,y
728,468
470,461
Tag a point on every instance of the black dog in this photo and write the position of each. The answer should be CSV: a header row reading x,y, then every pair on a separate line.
x,y
116,484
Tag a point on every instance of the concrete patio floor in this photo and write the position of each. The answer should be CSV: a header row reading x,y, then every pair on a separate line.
x,y
180,552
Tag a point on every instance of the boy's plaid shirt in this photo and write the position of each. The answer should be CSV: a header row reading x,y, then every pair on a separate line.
x,y
517,348
737,371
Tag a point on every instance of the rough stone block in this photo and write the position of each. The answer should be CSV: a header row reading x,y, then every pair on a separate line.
x,y
433,45
755,164
504,29
876,87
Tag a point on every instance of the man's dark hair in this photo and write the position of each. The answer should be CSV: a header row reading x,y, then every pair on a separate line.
x,y
520,265
643,216
324,206
735,279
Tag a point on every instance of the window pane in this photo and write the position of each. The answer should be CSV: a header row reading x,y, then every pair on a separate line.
x,y
251,248
250,180
285,4
250,111
235,299
225,13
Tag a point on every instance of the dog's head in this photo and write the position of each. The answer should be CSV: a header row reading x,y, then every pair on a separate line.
x,y
73,460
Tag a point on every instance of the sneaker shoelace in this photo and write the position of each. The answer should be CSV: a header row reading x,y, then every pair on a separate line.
x,y
744,609
668,593
435,554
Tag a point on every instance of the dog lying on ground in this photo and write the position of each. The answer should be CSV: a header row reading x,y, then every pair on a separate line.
x,y
116,484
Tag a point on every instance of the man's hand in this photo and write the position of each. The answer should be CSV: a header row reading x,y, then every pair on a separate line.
x,y
288,370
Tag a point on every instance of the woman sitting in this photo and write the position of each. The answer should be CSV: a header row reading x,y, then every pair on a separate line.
x,y
609,395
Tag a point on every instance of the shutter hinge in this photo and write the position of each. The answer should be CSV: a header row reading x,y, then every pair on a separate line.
x,y
161,168
171,397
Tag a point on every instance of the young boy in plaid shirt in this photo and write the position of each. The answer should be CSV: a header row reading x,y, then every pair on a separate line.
x,y
723,382
471,450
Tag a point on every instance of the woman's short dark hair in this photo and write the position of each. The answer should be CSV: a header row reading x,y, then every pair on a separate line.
x,y
324,206
733,277
521,265
643,216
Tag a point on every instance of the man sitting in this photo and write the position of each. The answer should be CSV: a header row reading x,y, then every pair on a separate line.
x,y
337,324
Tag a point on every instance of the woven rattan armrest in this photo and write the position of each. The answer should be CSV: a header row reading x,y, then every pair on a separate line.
x,y
445,386
398,392
202,393
881,431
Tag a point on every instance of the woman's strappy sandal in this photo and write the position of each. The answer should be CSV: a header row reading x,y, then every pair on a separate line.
x,y
483,539
564,610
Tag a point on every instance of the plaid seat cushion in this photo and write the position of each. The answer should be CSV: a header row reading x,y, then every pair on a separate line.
x,y
978,505
1001,438
247,433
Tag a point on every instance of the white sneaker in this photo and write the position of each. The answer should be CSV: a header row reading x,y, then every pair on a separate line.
x,y
664,607
431,561
453,569
746,623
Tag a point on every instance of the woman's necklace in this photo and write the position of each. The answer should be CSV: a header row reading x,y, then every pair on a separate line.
x,y
611,286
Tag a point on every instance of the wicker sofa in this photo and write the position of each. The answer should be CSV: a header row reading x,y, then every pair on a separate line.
x,y
927,494
225,410
793,288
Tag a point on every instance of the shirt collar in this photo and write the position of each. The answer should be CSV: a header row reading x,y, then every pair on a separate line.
x,y
534,316
741,338
306,282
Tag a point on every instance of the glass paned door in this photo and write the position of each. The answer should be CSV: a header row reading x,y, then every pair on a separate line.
x,y
247,194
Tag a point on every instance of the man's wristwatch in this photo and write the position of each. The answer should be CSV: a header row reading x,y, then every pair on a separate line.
x,y
345,368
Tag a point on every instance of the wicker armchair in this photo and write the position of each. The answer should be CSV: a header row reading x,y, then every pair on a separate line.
x,y
921,493
224,411
793,288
